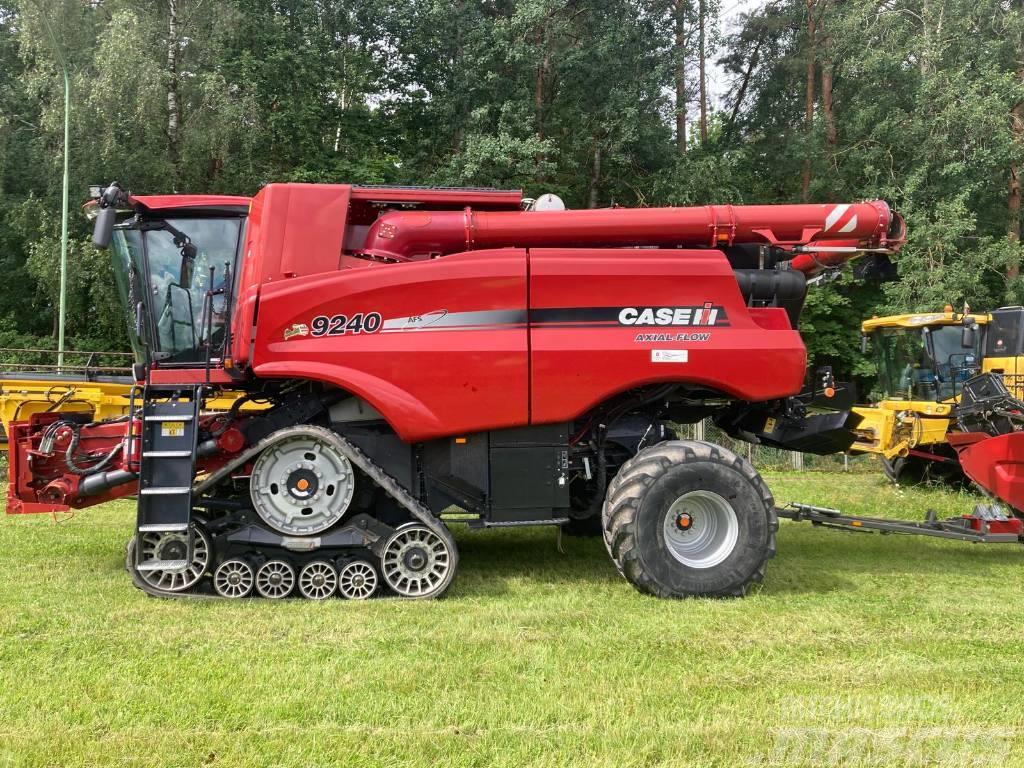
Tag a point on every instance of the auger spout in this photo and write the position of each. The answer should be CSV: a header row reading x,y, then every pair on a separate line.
x,y
848,229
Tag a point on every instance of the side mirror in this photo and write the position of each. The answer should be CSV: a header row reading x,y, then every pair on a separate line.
x,y
103,229
109,198
969,337
863,343
188,261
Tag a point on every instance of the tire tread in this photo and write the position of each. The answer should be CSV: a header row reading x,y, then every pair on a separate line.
x,y
636,477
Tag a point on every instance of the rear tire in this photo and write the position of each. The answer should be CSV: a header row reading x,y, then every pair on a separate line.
x,y
905,470
687,519
914,470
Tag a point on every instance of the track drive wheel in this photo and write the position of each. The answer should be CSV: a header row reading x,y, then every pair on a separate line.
x,y
687,518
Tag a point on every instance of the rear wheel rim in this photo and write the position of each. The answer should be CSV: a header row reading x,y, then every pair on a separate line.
x,y
701,529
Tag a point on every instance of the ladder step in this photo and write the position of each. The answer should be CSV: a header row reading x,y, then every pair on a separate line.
x,y
168,444
162,565
165,491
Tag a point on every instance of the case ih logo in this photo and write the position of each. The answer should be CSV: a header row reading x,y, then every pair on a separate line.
x,y
707,314
297,329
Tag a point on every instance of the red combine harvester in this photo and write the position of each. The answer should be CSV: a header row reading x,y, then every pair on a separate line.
x,y
423,349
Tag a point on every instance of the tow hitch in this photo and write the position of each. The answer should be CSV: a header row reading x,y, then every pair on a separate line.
x,y
987,524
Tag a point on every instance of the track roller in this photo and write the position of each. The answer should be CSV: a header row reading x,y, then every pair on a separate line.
x,y
417,563
357,580
275,579
234,578
318,580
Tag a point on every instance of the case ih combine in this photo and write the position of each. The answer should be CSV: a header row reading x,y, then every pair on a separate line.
x,y
419,349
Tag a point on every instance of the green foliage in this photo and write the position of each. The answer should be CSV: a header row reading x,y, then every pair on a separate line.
x,y
545,95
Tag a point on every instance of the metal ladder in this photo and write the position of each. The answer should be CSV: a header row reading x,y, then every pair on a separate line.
x,y
170,427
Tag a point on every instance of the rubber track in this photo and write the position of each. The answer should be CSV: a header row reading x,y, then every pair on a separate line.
x,y
383,480
625,495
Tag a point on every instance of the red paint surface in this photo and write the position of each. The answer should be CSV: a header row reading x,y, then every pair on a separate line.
x,y
170,202
405,235
995,463
438,382
305,256
427,383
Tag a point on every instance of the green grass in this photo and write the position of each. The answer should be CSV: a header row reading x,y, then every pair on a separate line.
x,y
858,650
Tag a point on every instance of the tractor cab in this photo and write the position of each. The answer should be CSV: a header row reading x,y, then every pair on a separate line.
x,y
924,357
922,363
175,262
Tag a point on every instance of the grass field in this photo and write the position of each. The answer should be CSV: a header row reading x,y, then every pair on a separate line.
x,y
858,650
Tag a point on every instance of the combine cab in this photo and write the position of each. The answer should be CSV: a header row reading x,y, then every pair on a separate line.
x,y
415,350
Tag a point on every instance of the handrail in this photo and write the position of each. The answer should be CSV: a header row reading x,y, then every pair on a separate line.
x,y
85,364
66,352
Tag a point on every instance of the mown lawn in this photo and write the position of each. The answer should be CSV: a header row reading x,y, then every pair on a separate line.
x,y
859,650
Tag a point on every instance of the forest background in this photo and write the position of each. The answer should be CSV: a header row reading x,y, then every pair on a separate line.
x,y
918,102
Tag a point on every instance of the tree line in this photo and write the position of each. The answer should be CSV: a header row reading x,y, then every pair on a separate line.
x,y
918,102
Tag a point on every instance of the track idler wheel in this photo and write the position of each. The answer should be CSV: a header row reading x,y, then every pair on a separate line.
x,y
357,580
171,546
234,578
318,580
275,579
417,563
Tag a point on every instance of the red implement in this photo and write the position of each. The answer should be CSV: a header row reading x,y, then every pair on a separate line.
x,y
994,463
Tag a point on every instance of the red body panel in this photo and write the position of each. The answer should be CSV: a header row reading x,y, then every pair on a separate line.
x,y
294,230
454,353
576,366
994,463
170,202
443,374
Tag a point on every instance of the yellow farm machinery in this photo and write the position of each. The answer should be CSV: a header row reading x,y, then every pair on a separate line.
x,y
923,361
